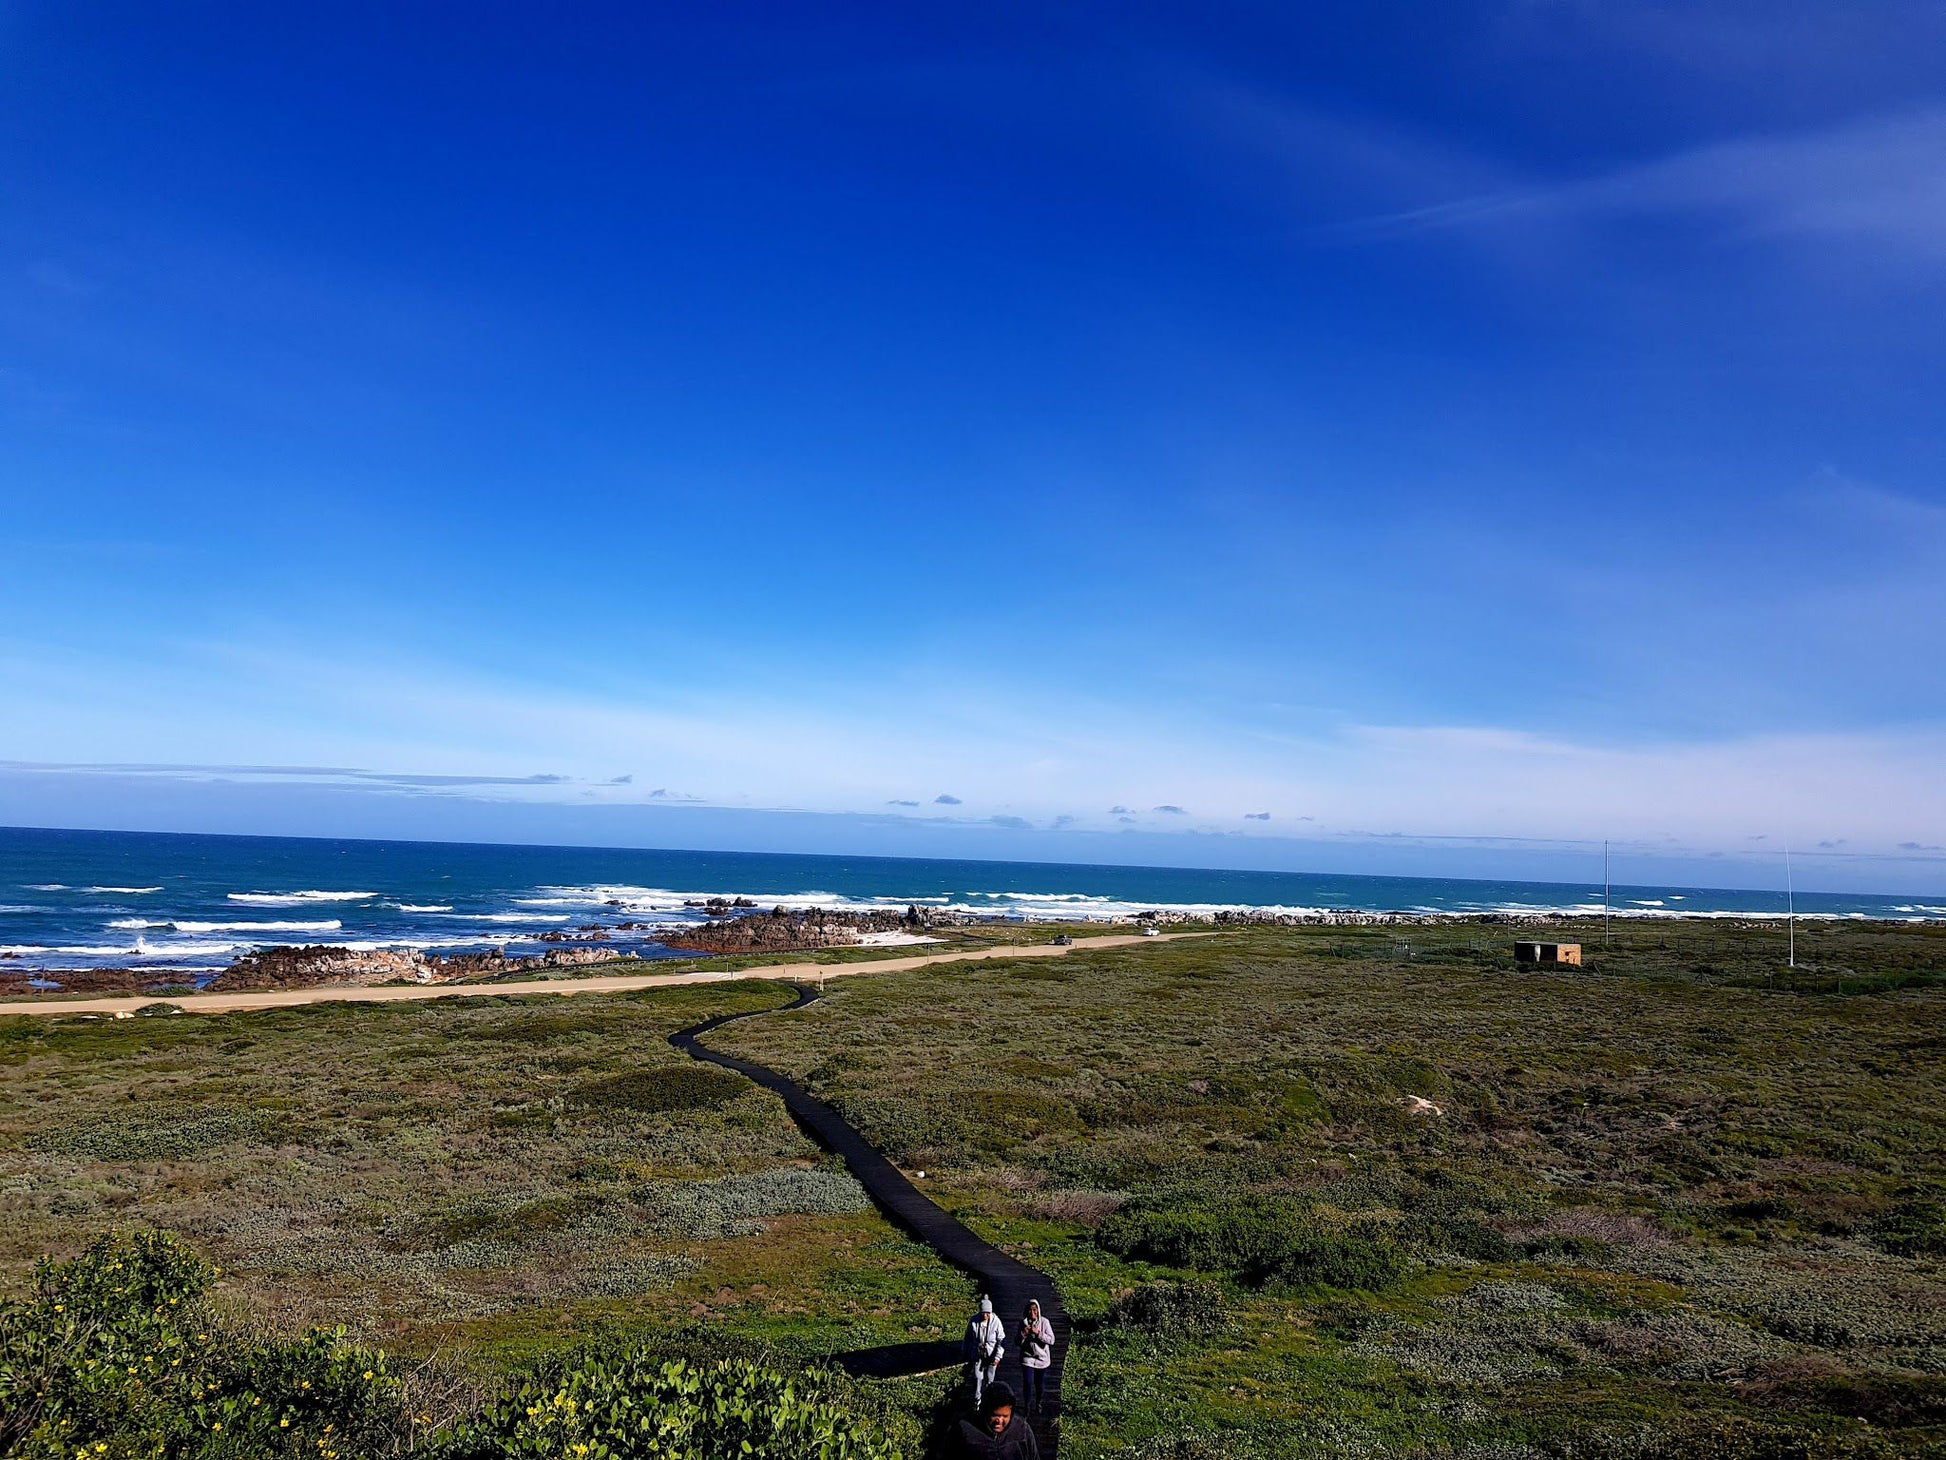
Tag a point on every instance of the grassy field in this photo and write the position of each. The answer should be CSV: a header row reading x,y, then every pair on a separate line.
x,y
486,1176
1313,1191
1681,1190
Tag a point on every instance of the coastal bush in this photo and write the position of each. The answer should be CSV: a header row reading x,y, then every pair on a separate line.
x,y
1169,1310
733,1206
1261,1240
636,1403
659,1089
164,1134
488,1221
116,1354
1727,1439
1916,1229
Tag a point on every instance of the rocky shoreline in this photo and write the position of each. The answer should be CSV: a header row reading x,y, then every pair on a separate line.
x,y
305,966
801,930
735,926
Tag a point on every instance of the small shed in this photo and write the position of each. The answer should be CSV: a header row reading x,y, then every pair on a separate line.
x,y
1556,955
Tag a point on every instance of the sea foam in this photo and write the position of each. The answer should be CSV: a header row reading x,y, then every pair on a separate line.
x,y
296,899
329,926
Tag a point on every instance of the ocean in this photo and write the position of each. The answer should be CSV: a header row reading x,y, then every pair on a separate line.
x,y
91,899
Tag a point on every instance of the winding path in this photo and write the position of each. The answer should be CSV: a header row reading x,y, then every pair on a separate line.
x,y
1007,1280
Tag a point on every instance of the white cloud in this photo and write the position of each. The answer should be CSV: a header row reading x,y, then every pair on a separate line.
x,y
1025,758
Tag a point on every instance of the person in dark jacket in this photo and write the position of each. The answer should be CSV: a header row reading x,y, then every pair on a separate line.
x,y
1000,1434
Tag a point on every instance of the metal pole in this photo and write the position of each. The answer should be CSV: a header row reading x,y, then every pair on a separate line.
x,y
1606,898
1790,902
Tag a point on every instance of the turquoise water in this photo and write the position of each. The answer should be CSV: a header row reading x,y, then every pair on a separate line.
x,y
76,899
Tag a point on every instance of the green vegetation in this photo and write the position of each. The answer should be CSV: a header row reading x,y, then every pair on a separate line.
x,y
1260,1241
496,1178
118,1354
1322,1192
1684,1201
639,1404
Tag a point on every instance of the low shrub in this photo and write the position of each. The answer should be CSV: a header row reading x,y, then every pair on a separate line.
x,y
490,1221
162,1134
1169,1310
1459,1237
660,1088
1262,1241
1890,1401
733,1206
1726,1439
1916,1229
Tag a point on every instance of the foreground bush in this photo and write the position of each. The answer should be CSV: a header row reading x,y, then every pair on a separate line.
x,y
116,1355
637,1404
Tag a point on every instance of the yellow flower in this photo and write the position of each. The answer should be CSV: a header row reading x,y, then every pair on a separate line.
x,y
217,1426
284,1424
368,1373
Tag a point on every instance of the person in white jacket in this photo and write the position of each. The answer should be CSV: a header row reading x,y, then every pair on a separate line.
x,y
986,1342
1036,1354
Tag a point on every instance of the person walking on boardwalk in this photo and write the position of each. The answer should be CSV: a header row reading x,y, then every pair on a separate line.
x,y
999,1434
986,1341
1036,1353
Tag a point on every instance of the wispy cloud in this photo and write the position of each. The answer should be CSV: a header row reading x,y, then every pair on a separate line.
x,y
945,800
1877,184
409,780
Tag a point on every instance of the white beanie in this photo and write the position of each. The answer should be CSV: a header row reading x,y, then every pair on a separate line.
x,y
986,1305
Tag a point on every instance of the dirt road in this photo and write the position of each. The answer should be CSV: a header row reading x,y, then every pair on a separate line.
x,y
594,984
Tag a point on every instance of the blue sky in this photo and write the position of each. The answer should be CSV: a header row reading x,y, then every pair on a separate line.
x,y
1398,437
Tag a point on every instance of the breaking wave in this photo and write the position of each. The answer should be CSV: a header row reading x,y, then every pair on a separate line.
x,y
296,899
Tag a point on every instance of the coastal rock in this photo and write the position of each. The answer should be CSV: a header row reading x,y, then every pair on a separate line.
x,y
495,963
587,933
787,930
24,982
286,967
